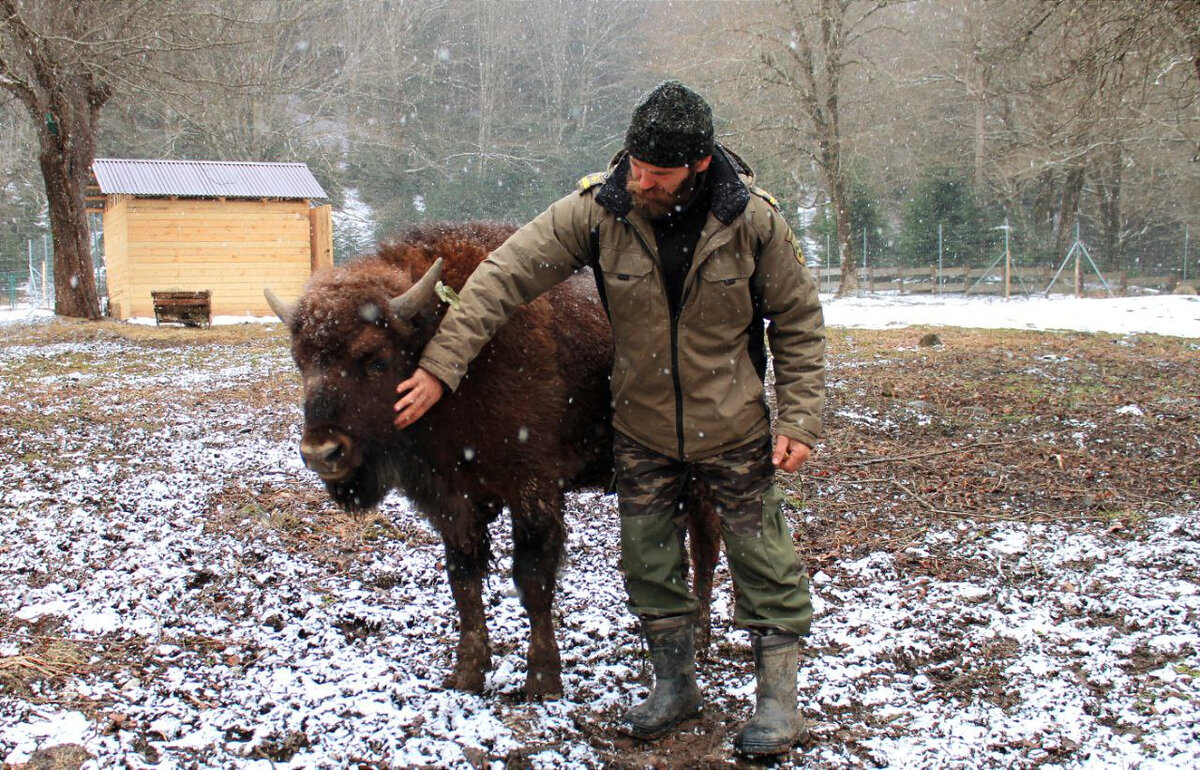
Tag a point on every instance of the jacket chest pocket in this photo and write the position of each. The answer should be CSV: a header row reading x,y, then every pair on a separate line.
x,y
724,294
629,282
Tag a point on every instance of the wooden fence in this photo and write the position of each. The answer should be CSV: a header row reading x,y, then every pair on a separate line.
x,y
979,280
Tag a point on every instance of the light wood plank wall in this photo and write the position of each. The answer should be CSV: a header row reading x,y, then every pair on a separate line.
x,y
234,248
116,254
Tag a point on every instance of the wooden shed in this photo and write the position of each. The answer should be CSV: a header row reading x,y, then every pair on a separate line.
x,y
228,228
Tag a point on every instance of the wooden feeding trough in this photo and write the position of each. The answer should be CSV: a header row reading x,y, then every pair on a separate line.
x,y
190,308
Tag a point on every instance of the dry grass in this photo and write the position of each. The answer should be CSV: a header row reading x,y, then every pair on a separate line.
x,y
304,519
61,329
996,425
59,658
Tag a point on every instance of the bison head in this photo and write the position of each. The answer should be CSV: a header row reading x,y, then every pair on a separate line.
x,y
356,333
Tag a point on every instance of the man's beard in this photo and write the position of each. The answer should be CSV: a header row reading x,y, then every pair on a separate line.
x,y
656,203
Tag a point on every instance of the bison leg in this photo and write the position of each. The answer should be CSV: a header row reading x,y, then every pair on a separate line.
x,y
538,538
466,567
704,542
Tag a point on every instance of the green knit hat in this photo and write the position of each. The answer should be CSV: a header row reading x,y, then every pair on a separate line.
x,y
671,126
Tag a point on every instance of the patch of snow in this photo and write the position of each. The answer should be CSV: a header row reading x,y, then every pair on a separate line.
x,y
49,728
1170,315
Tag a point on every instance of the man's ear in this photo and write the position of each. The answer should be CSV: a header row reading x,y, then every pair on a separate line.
x,y
702,165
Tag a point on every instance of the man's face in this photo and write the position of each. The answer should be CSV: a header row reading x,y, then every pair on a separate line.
x,y
658,191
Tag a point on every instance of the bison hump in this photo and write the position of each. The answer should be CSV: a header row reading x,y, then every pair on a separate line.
x,y
460,245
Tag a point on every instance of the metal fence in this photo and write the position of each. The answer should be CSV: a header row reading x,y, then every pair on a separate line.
x,y
1003,271
27,278
27,275
984,281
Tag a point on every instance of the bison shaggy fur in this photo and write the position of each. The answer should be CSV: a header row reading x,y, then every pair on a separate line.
x,y
528,423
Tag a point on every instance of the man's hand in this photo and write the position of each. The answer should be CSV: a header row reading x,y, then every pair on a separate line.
x,y
789,453
417,395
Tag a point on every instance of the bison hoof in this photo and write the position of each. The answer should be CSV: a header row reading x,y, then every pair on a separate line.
x,y
541,685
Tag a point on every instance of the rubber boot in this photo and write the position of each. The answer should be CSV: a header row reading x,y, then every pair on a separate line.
x,y
776,725
675,696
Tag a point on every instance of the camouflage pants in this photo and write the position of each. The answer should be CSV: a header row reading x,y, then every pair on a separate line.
x,y
772,589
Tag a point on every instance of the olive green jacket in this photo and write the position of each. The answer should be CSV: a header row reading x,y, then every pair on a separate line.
x,y
688,387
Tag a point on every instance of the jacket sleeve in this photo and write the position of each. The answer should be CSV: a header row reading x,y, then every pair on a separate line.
x,y
536,257
796,333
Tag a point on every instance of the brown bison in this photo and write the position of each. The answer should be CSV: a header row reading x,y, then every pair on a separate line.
x,y
530,421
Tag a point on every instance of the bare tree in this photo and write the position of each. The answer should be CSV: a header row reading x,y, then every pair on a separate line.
x,y
1082,90
803,51
64,60
44,50
574,46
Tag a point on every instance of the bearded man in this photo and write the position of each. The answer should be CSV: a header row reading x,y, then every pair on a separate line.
x,y
692,260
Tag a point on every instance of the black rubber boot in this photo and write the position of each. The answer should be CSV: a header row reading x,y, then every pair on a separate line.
x,y
776,725
675,696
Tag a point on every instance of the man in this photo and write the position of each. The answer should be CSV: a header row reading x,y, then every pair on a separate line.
x,y
691,259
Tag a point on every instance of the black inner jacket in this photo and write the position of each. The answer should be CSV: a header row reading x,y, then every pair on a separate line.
x,y
677,235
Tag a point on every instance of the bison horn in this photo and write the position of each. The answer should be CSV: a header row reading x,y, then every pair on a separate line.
x,y
282,309
410,302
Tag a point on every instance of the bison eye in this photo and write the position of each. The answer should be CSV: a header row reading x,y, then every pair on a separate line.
x,y
377,365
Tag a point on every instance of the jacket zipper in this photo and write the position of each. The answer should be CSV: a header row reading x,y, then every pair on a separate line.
x,y
675,317
675,377
674,342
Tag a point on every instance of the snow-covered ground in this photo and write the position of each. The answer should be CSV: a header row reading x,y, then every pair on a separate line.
x,y
1172,315
1073,648
1176,316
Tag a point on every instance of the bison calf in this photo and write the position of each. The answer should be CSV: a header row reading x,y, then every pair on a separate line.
x,y
530,421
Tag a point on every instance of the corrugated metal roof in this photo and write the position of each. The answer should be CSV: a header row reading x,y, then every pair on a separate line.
x,y
205,179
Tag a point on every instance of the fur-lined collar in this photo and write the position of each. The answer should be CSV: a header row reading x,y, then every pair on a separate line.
x,y
729,192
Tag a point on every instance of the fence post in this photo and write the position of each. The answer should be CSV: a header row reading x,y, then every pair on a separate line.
x,y
938,277
1078,276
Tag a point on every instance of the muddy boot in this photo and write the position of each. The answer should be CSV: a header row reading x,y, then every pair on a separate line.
x,y
776,725
675,696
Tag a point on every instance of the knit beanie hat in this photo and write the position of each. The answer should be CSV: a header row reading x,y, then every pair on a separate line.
x,y
671,126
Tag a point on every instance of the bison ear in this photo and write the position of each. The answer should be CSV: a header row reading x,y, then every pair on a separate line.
x,y
282,309
412,301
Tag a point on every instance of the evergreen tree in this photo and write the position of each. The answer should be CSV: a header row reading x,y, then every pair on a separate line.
x,y
865,216
943,197
867,220
822,231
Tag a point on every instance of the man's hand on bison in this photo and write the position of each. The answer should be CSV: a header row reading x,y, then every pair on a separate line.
x,y
417,395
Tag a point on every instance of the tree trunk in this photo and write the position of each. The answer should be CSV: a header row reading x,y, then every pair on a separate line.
x,y
1108,204
1040,227
829,137
1068,211
489,82
841,206
981,110
66,129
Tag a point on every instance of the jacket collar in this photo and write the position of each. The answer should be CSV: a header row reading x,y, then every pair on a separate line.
x,y
729,192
